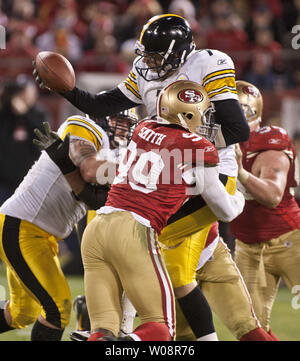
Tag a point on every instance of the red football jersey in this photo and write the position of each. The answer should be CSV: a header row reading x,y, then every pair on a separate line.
x,y
258,223
155,175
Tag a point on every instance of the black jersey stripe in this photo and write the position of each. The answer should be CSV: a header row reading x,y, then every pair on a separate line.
x,y
11,246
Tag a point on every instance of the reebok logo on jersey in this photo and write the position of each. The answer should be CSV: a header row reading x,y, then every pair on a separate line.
x,y
221,61
274,141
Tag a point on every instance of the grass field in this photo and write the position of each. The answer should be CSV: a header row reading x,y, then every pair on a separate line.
x,y
285,320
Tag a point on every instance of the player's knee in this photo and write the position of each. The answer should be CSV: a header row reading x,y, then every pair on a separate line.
x,y
65,313
59,313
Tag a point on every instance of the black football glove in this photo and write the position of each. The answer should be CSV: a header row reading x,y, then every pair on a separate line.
x,y
56,148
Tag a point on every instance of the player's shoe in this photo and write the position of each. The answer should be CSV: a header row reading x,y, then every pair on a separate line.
x,y
80,335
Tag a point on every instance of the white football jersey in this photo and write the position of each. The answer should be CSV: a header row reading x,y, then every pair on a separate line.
x,y
44,197
212,69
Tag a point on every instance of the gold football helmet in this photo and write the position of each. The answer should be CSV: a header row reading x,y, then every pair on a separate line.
x,y
251,101
186,103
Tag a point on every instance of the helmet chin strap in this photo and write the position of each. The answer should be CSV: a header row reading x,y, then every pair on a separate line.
x,y
255,122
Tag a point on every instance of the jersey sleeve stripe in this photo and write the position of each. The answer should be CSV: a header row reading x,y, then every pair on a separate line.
x,y
133,75
217,77
132,90
133,83
219,84
219,72
232,89
226,90
87,126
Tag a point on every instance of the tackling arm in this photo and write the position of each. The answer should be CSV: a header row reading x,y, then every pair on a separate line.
x,y
226,207
268,177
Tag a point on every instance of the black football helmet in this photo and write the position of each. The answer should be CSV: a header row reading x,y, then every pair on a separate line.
x,y
166,41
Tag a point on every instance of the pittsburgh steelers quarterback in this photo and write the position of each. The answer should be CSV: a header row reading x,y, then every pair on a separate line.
x,y
166,53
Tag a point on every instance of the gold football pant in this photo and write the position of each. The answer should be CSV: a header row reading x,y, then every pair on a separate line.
x,y
36,282
120,254
226,293
262,265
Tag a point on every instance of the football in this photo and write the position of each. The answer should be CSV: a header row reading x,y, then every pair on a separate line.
x,y
55,71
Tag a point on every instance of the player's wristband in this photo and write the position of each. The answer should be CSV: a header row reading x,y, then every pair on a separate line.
x,y
243,175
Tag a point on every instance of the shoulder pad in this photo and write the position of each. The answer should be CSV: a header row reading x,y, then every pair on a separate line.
x,y
269,138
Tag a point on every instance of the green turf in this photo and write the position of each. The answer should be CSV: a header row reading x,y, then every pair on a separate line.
x,y
285,320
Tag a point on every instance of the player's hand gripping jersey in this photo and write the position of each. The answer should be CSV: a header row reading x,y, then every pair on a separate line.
x,y
45,191
258,223
158,164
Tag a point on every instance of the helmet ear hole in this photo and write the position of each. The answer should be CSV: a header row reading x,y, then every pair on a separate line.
x,y
189,116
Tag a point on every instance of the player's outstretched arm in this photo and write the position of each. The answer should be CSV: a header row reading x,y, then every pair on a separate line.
x,y
94,196
226,207
97,105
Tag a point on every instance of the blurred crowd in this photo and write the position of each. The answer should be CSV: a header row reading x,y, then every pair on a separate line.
x,y
99,35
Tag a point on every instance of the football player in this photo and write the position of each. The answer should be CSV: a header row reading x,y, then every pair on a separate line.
x,y
42,211
138,201
166,53
119,128
267,232
226,292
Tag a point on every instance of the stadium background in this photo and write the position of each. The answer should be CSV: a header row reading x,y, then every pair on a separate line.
x,y
98,38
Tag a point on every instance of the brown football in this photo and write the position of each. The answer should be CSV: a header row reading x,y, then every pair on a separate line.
x,y
55,71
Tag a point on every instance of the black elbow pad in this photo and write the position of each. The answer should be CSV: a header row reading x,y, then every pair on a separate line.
x,y
94,196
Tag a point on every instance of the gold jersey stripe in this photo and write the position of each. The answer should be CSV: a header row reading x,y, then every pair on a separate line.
x,y
223,91
217,77
132,90
219,72
87,123
146,26
78,131
220,83
133,75
219,89
132,83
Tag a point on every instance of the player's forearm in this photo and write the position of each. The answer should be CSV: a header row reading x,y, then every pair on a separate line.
x,y
94,196
75,181
98,105
226,207
264,191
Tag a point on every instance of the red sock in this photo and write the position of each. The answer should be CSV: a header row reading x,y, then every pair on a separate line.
x,y
275,338
152,331
95,336
258,334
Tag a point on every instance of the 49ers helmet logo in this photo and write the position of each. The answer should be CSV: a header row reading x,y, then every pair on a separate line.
x,y
190,96
250,90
